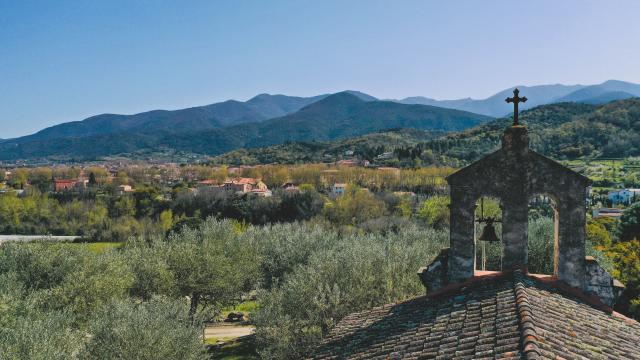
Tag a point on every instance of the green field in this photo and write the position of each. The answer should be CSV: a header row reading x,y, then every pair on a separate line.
x,y
608,173
100,247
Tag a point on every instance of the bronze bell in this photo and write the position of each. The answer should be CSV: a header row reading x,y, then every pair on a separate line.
x,y
489,232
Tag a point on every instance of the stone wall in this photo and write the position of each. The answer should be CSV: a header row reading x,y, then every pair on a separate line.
x,y
600,283
514,174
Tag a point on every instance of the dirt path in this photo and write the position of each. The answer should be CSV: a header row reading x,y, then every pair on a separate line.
x,y
227,331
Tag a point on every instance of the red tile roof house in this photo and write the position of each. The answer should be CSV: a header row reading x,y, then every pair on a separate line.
x,y
246,185
60,185
510,314
208,182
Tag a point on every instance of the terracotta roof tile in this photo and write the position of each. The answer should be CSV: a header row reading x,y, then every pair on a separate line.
x,y
493,317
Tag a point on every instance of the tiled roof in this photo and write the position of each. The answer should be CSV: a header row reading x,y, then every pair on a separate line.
x,y
492,317
250,181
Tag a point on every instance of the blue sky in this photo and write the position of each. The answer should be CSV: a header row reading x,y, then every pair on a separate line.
x,y
66,60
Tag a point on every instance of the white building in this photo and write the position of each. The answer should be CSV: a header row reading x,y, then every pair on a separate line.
x,y
385,155
607,212
623,196
338,189
123,189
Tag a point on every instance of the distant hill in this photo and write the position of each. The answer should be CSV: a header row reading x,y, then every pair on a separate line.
x,y
562,131
267,120
362,96
271,106
336,116
495,106
605,92
606,97
200,118
196,118
366,146
538,95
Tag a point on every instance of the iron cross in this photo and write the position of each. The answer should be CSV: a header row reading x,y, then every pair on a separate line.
x,y
515,100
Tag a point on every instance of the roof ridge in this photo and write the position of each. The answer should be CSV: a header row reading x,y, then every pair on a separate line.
x,y
528,335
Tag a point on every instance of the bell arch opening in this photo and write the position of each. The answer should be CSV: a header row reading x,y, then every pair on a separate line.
x,y
488,234
542,236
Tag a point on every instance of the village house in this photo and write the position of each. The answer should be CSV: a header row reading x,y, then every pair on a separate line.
x,y
623,196
607,212
61,185
124,189
81,185
262,193
385,155
338,189
290,187
207,183
18,192
247,185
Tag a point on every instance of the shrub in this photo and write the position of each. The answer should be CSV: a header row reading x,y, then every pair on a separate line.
x,y
629,226
40,336
435,211
159,329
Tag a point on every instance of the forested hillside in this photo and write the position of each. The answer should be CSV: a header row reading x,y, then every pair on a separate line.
x,y
337,116
561,131
365,147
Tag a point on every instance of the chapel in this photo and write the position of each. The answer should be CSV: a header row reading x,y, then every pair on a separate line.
x,y
509,313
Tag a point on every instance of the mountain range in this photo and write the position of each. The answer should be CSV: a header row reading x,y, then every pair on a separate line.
x,y
274,119
335,116
218,115
537,95
565,130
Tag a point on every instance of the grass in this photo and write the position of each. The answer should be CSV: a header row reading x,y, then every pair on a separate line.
x,y
246,307
99,247
240,349
216,340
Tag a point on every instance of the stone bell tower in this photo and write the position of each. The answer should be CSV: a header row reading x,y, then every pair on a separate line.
x,y
514,174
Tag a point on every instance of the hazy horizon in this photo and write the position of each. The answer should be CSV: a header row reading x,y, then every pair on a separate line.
x,y
66,61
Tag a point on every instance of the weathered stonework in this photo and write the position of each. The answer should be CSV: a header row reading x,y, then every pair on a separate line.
x,y
514,174
434,276
600,283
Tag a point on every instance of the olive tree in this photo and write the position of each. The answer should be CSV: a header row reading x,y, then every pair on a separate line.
x,y
212,265
40,336
354,273
159,329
